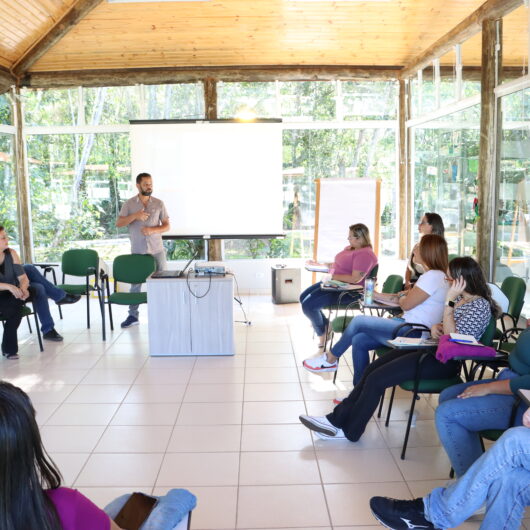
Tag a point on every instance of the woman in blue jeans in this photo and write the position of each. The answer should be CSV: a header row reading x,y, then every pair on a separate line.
x,y
351,265
423,304
500,478
469,408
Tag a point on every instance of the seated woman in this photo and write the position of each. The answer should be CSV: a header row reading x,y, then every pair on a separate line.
x,y
351,265
430,223
32,498
469,408
423,304
13,292
468,310
499,479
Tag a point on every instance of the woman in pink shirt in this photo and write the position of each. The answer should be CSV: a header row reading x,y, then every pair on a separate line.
x,y
351,265
30,494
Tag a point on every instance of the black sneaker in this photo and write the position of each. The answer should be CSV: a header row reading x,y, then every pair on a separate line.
x,y
130,321
400,515
52,335
69,299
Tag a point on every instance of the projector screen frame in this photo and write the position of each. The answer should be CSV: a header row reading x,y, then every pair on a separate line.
x,y
204,120
206,237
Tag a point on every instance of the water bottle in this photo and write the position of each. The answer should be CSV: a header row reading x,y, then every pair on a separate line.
x,y
369,285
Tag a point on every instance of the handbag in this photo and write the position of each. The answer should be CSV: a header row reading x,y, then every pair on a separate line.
x,y
448,350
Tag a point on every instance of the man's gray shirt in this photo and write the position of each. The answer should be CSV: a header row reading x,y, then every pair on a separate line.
x,y
156,209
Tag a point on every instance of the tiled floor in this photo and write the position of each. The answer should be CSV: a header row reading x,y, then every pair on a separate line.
x,y
226,428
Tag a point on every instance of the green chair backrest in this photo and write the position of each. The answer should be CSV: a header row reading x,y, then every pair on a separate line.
x,y
515,289
452,257
80,262
489,333
393,284
373,272
133,268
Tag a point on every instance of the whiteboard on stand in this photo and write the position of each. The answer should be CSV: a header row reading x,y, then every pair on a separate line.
x,y
341,203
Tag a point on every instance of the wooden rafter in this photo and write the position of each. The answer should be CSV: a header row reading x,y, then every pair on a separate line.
x,y
470,26
150,76
76,13
7,80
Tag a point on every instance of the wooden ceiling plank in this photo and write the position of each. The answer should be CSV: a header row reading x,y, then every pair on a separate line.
x,y
470,26
61,28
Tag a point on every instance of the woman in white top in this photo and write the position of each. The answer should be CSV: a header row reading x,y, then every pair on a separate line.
x,y
423,304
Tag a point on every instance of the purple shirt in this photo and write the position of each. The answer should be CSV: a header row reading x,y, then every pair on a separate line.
x,y
76,512
362,259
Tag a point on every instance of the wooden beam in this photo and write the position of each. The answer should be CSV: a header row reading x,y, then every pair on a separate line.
x,y
487,170
403,210
76,13
470,26
22,183
157,76
7,80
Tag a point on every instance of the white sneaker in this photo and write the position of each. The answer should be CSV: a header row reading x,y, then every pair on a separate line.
x,y
339,436
319,424
320,364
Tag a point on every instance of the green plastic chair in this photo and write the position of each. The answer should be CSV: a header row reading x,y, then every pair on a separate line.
x,y
129,268
84,263
515,290
431,386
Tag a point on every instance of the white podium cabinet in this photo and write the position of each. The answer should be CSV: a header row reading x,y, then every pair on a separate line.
x,y
190,317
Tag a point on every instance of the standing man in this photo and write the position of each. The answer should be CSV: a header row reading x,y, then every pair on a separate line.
x,y
147,220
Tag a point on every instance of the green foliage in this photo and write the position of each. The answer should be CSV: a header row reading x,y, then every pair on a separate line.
x,y
184,249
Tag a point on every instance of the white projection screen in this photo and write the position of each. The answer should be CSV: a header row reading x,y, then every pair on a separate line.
x,y
215,178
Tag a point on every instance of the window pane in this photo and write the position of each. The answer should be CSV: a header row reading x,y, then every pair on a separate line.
x,y
51,107
179,101
445,162
107,105
233,99
308,100
515,44
513,227
6,110
77,185
448,78
369,100
8,189
471,62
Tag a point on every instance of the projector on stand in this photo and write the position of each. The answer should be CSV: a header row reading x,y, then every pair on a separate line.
x,y
210,268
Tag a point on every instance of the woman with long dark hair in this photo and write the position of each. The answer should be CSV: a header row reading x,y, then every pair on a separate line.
x,y
430,223
468,310
31,496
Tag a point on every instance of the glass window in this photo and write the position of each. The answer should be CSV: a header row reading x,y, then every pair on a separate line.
x,y
51,107
369,100
178,101
513,225
78,183
6,110
247,99
308,100
448,78
445,165
471,62
8,188
108,105
428,91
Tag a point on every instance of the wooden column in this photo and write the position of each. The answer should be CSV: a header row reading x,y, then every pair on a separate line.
x,y
210,110
403,211
487,169
22,183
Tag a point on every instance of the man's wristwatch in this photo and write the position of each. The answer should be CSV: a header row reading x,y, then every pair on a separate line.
x,y
450,303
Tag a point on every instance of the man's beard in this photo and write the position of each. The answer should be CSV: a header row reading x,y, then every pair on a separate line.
x,y
146,193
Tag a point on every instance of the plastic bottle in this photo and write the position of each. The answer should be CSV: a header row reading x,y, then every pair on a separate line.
x,y
369,285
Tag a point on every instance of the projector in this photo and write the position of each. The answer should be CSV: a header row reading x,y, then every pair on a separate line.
x,y
203,268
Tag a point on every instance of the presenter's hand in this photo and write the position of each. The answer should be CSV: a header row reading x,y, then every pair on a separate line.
x,y
147,231
142,215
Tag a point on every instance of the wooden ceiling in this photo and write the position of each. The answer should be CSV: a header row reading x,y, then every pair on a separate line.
x,y
238,33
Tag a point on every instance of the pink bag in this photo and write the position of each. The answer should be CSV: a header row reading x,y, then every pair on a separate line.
x,y
447,350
